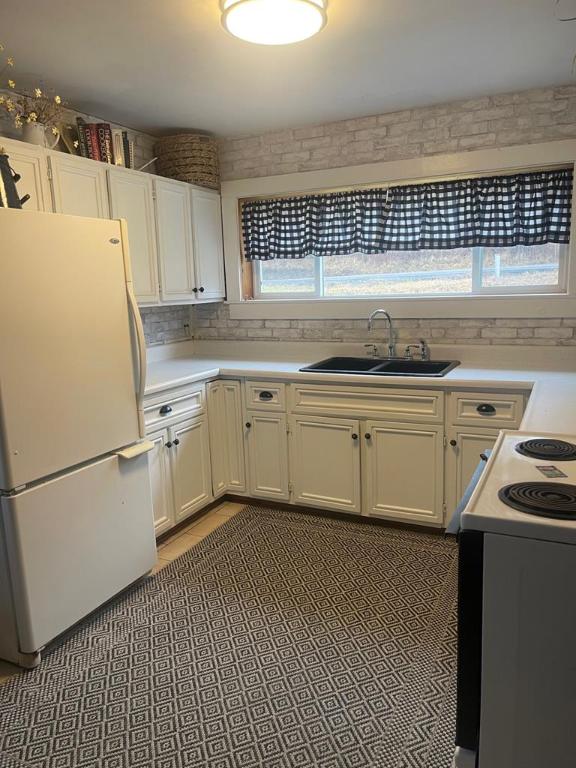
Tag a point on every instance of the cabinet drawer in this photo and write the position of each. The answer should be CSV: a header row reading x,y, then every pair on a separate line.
x,y
263,395
167,406
392,404
499,410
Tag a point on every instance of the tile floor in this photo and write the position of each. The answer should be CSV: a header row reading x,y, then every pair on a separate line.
x,y
170,549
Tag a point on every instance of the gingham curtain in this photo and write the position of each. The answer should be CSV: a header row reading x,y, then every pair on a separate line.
x,y
523,209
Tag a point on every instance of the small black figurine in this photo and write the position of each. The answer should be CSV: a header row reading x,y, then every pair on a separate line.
x,y
9,197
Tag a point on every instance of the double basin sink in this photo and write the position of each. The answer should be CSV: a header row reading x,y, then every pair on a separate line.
x,y
383,366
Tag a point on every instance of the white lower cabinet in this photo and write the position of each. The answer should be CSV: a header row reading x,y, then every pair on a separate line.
x,y
465,444
403,471
226,437
267,455
180,471
325,462
190,466
161,480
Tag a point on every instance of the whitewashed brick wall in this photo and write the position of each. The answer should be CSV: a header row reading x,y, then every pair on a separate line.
x,y
165,324
212,321
492,121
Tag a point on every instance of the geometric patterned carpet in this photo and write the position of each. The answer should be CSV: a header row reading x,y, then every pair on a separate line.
x,y
282,640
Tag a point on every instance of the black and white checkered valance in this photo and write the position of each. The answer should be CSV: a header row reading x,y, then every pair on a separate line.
x,y
522,209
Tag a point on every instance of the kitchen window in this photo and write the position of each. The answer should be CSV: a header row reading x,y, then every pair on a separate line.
x,y
458,272
468,237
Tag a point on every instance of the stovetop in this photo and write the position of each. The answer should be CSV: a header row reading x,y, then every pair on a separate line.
x,y
521,495
548,448
543,499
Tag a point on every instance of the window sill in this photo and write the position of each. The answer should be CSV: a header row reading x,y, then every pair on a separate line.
x,y
493,306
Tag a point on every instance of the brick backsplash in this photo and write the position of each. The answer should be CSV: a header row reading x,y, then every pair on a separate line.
x,y
493,121
212,322
165,324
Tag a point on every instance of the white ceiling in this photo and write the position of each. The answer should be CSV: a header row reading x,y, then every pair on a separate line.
x,y
159,65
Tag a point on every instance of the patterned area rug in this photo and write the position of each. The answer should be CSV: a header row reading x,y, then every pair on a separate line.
x,y
283,640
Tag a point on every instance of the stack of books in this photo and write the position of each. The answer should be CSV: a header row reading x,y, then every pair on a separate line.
x,y
99,141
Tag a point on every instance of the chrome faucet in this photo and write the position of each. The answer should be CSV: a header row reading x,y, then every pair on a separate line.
x,y
391,334
422,348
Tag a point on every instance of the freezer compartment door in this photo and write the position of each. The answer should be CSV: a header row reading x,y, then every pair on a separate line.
x,y
74,542
67,388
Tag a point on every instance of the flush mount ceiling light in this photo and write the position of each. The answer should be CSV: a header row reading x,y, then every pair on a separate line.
x,y
273,22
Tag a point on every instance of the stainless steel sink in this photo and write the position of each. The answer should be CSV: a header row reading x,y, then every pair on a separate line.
x,y
383,367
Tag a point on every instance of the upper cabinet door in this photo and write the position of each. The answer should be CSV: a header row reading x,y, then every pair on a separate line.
x,y
79,186
176,258
131,198
208,249
30,163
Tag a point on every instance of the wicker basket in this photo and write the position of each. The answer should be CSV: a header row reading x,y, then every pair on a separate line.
x,y
191,157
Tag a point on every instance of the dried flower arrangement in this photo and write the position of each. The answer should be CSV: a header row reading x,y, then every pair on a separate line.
x,y
24,107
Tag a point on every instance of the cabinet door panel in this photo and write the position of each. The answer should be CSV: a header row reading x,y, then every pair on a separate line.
x,y
32,166
233,431
325,463
79,186
174,241
218,447
403,471
268,455
226,437
462,459
131,199
190,466
161,481
208,248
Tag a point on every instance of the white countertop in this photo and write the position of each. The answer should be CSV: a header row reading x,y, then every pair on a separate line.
x,y
551,407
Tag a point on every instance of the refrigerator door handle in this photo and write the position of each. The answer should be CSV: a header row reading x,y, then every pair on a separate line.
x,y
133,451
141,346
140,339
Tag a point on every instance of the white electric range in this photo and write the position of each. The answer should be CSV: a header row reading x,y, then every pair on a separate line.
x,y
534,465
517,608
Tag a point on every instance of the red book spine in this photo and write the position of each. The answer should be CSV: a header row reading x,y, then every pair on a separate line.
x,y
94,141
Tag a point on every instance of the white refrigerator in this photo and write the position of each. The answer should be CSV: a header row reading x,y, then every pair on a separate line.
x,y
76,522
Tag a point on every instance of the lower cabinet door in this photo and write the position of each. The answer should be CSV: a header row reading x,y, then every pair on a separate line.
x,y
325,462
190,453
218,441
267,443
403,471
161,481
465,444
233,433
226,438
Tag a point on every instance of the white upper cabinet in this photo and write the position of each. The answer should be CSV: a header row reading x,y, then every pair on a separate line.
x,y
175,240
208,248
131,198
31,163
175,250
79,186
